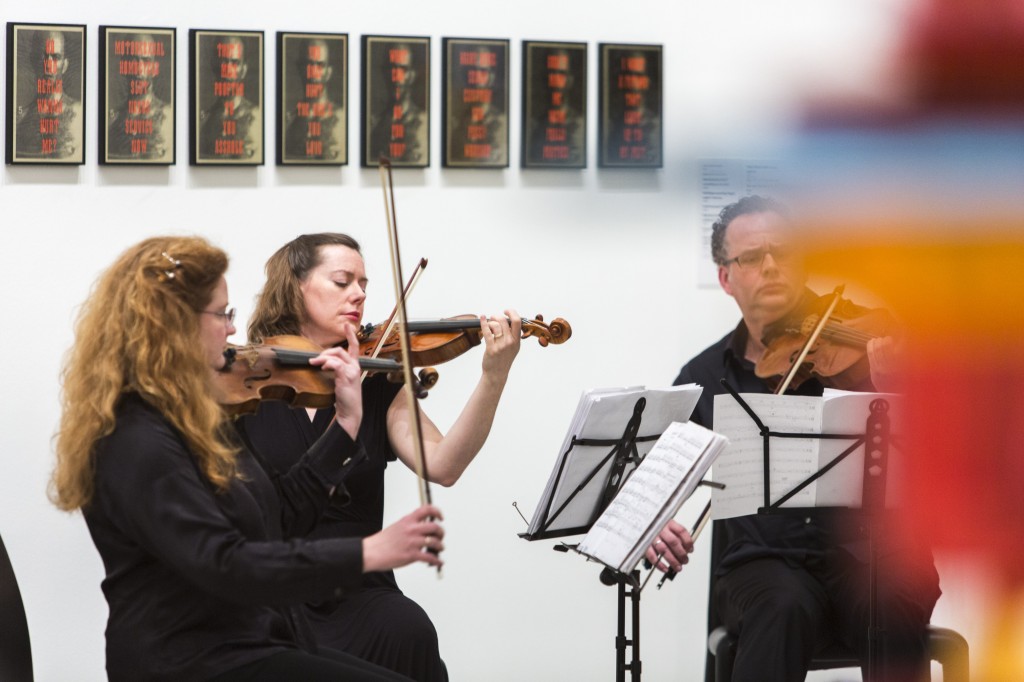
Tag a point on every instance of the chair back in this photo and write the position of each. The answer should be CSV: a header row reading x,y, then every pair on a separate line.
x,y
15,647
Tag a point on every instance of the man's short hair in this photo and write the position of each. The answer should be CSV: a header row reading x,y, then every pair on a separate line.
x,y
750,204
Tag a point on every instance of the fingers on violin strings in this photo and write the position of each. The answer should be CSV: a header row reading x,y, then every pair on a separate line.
x,y
485,328
515,321
491,327
497,326
504,324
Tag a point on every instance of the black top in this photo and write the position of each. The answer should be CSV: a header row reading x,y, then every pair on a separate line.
x,y
197,581
278,434
792,537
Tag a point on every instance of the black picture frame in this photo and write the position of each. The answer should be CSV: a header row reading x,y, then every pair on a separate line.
x,y
137,85
312,99
396,101
45,94
630,121
475,105
226,98
554,133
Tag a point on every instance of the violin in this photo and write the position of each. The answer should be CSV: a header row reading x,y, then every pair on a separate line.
x,y
825,340
436,341
279,369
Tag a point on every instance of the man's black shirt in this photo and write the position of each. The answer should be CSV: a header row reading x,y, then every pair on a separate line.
x,y
796,538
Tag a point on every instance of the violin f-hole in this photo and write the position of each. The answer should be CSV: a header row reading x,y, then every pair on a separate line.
x,y
252,379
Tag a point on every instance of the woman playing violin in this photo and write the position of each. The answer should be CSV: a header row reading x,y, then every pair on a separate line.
x,y
316,287
206,567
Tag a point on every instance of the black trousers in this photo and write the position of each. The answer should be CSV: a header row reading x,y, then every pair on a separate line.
x,y
783,615
328,665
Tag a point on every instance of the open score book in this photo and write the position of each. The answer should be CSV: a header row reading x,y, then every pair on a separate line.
x,y
652,495
741,467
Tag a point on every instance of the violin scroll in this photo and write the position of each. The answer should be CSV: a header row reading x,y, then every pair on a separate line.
x,y
557,331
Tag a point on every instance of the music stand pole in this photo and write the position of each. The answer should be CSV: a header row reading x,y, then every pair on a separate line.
x,y
876,464
610,577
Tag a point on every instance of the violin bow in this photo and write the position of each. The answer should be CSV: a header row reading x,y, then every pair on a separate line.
x,y
390,323
402,315
811,340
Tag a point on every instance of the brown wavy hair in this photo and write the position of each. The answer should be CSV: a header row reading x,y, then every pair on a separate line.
x,y
280,308
139,332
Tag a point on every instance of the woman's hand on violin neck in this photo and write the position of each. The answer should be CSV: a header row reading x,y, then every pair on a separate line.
x,y
348,391
415,537
501,335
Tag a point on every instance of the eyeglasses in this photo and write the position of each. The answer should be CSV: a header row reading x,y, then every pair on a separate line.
x,y
228,317
782,253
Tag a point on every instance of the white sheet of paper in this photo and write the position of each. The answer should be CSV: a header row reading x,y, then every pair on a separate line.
x,y
847,412
741,467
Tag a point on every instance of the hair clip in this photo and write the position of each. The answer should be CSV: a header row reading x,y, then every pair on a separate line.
x,y
174,261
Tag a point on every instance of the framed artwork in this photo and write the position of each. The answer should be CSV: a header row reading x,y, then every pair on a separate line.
x,y
554,105
475,106
629,127
226,98
137,86
312,99
45,94
396,101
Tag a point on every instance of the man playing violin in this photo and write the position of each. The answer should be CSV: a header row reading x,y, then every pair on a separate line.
x,y
316,287
785,585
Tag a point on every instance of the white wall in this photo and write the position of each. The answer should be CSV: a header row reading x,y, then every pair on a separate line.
x,y
614,252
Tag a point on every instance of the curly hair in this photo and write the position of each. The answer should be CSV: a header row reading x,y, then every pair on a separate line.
x,y
749,204
139,332
280,308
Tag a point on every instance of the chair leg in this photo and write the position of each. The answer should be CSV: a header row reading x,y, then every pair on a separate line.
x,y
722,646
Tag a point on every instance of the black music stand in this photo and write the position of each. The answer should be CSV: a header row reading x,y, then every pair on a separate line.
x,y
876,440
622,452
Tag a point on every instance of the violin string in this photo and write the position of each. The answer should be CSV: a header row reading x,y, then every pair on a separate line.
x,y
843,333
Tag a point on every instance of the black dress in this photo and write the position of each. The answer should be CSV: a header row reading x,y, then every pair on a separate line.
x,y
200,582
377,622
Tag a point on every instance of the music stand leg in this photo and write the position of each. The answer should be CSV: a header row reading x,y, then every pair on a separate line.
x,y
621,642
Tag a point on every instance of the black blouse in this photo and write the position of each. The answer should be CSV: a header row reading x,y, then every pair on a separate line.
x,y
199,581
278,435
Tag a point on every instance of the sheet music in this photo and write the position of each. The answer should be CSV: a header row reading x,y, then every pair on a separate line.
x,y
847,412
652,495
741,466
602,414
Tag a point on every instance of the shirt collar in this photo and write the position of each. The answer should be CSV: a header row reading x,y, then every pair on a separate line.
x,y
736,349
